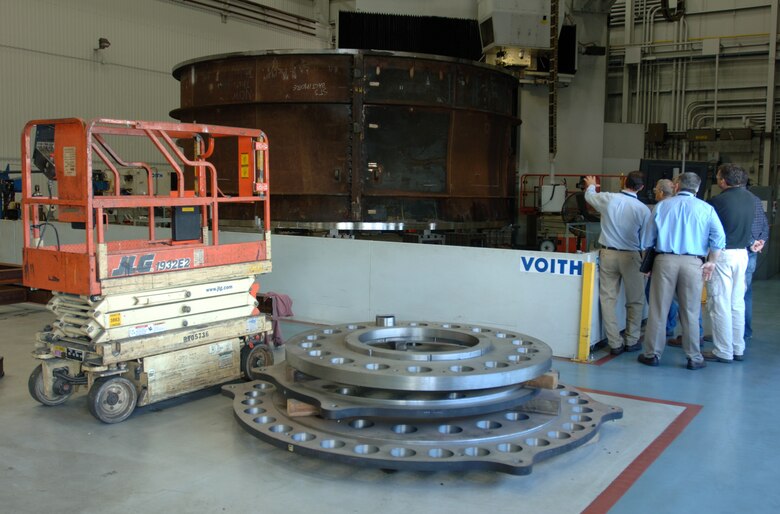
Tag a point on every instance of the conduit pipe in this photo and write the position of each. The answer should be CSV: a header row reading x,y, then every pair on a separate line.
x,y
767,169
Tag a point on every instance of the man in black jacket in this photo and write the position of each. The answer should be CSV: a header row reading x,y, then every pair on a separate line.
x,y
726,288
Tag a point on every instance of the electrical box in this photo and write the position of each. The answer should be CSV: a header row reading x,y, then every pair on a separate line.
x,y
185,223
550,197
633,54
656,133
710,46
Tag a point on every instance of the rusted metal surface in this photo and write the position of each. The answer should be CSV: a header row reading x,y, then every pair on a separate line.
x,y
12,294
10,274
369,137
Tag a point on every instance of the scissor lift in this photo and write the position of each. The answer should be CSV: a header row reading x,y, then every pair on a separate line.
x,y
143,320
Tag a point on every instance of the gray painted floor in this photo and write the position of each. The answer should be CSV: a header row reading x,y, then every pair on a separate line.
x,y
189,455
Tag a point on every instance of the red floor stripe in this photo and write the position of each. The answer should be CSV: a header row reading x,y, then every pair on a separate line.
x,y
608,357
633,471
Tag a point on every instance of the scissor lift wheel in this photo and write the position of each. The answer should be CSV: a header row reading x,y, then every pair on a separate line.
x,y
257,358
62,389
112,399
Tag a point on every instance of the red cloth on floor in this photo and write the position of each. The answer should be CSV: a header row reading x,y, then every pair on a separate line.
x,y
282,308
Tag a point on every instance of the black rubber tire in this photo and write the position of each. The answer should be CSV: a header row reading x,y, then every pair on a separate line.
x,y
258,357
35,386
112,399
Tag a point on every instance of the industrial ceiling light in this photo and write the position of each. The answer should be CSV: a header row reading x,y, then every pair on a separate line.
x,y
103,43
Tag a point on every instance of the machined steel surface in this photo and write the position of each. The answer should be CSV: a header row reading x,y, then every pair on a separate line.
x,y
510,441
417,395
339,401
419,356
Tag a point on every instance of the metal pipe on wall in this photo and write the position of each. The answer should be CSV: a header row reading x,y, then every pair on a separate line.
x,y
756,116
703,104
678,123
657,93
673,90
651,70
684,36
715,94
767,169
696,105
638,91
629,32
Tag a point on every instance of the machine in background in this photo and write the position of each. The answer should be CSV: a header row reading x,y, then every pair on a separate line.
x,y
9,187
558,219
145,319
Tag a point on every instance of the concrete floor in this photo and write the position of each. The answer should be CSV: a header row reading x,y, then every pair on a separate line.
x,y
189,455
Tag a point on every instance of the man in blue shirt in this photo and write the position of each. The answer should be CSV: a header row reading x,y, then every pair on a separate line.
x,y
684,231
760,234
623,218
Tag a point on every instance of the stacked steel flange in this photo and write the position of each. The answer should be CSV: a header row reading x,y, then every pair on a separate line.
x,y
418,395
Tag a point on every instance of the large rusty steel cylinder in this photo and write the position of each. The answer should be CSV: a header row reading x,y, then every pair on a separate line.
x,y
366,139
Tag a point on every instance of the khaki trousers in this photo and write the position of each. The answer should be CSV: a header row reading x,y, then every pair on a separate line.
x,y
616,266
681,274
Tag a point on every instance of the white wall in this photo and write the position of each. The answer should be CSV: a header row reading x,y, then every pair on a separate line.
x,y
580,112
342,280
49,67
624,146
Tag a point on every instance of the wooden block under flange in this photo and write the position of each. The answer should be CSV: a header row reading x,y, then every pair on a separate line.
x,y
299,409
547,381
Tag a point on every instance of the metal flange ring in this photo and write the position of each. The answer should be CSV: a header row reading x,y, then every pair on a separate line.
x,y
339,401
510,441
419,356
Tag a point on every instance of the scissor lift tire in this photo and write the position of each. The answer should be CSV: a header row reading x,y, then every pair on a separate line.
x,y
35,386
257,358
112,399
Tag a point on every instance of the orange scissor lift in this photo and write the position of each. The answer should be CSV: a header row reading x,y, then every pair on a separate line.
x,y
143,318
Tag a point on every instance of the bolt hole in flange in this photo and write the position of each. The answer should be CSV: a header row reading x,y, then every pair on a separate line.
x,y
429,369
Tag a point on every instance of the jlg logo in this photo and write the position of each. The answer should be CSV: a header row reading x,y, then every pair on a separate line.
x,y
127,265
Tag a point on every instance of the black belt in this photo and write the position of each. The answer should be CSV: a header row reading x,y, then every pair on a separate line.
x,y
619,249
702,257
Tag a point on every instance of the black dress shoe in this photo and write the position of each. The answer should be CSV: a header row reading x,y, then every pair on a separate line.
x,y
739,358
696,365
709,356
618,350
634,347
648,361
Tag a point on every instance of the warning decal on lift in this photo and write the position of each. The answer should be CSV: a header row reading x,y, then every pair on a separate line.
x,y
69,161
115,319
147,328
